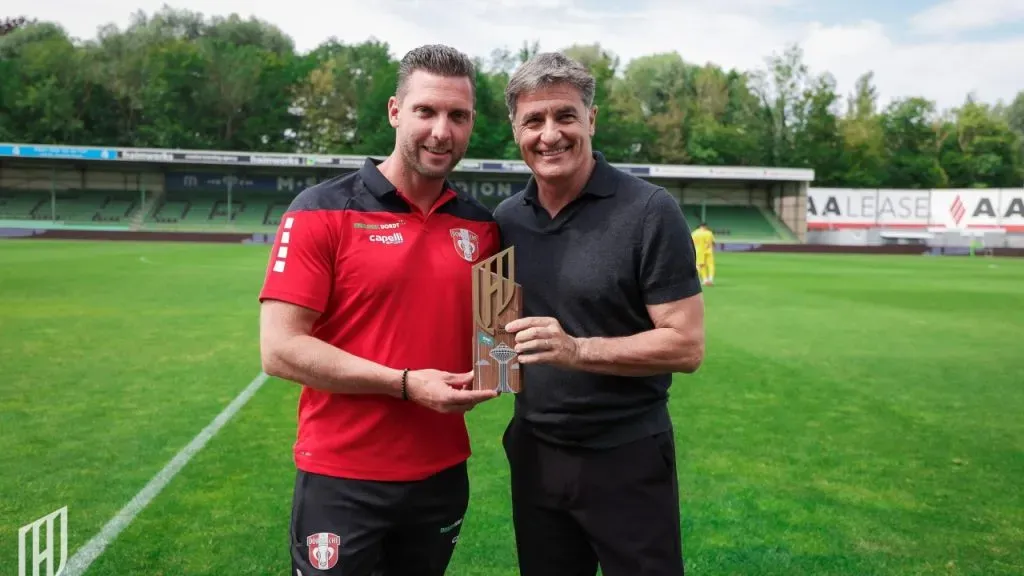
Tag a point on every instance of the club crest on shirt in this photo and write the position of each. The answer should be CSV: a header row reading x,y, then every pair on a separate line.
x,y
323,550
467,244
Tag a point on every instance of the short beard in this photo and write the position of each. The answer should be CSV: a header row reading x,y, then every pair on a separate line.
x,y
411,155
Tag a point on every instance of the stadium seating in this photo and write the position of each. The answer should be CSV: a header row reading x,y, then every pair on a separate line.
x,y
746,223
261,212
19,206
193,210
72,206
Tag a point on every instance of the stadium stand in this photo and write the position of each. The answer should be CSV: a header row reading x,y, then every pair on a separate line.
x,y
735,222
15,206
71,206
43,187
211,210
259,212
198,210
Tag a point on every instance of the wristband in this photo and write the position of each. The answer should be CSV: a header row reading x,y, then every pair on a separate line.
x,y
405,381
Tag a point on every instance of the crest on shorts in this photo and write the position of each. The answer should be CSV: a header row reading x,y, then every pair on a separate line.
x,y
323,550
467,244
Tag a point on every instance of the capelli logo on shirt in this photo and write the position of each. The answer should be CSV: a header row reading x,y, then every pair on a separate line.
x,y
395,238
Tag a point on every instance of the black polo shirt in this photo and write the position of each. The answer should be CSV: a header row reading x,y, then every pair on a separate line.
x,y
621,245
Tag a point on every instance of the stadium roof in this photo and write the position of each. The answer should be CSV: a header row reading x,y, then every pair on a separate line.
x,y
123,156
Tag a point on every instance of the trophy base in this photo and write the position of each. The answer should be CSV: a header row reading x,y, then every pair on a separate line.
x,y
497,364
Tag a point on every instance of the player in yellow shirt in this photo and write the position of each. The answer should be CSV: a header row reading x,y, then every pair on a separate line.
x,y
704,243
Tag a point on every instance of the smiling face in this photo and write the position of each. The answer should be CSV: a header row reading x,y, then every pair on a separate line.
x,y
553,128
433,120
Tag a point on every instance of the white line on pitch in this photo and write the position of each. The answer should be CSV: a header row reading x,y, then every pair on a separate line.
x,y
88,554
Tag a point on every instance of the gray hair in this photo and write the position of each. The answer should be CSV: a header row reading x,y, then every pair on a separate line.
x,y
547,69
436,59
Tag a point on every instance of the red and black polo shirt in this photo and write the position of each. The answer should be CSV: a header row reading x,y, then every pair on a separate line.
x,y
393,285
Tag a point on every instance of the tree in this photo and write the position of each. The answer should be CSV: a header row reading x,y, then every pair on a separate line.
x,y
862,137
911,149
983,151
8,25
175,78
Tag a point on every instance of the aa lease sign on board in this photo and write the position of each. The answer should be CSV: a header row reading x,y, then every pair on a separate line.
x,y
953,209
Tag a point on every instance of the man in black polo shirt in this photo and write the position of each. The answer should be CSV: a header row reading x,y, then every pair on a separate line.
x,y
614,307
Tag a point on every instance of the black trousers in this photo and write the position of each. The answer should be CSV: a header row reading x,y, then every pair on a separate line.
x,y
576,509
362,528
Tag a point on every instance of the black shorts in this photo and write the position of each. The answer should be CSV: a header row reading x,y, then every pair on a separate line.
x,y
575,509
364,528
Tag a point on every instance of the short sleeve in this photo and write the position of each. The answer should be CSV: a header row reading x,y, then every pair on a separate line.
x,y
668,267
301,266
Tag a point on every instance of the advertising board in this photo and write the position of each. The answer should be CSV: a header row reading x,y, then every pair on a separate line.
x,y
935,210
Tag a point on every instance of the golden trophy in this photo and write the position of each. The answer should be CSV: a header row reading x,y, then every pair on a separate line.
x,y
497,300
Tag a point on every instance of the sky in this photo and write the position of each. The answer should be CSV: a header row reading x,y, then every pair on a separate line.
x,y
939,49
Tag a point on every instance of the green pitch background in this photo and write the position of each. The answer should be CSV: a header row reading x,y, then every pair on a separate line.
x,y
855,415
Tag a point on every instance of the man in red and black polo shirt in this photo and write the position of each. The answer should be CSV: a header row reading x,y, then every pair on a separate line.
x,y
367,303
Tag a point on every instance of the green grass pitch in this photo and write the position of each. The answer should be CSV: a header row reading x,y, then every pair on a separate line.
x,y
855,415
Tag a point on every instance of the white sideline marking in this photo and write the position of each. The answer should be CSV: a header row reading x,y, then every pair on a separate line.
x,y
92,549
